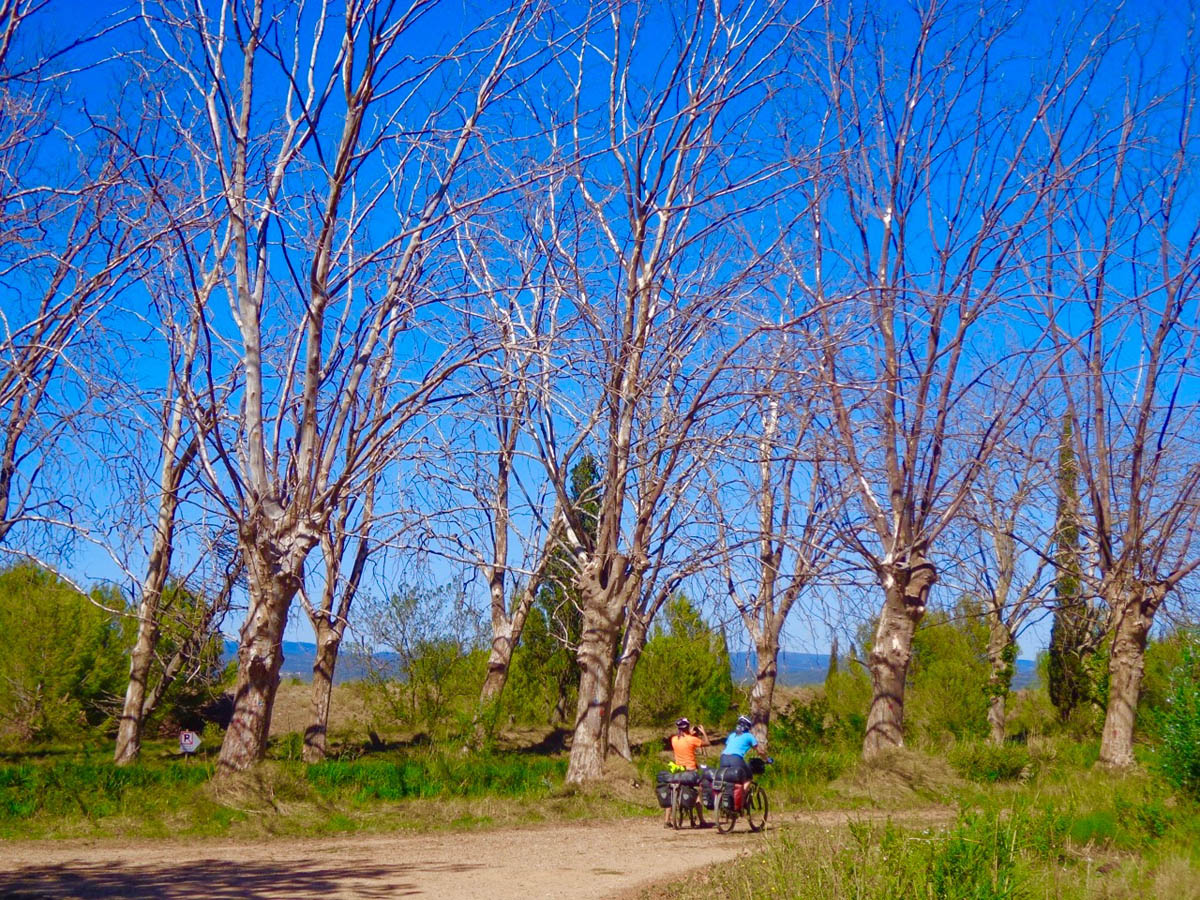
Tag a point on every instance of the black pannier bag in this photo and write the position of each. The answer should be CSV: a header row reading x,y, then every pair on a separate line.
x,y
663,792
731,774
688,796
692,776
663,777
724,789
757,765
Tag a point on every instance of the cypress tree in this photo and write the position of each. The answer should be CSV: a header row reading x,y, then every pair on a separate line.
x,y
1071,637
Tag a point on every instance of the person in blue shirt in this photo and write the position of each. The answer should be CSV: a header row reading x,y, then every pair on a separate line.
x,y
733,755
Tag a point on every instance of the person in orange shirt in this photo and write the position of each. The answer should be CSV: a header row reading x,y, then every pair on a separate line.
x,y
684,744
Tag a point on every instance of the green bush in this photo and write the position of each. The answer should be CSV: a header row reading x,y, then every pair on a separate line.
x,y
947,691
1179,754
684,670
63,667
804,722
986,762
430,680
848,698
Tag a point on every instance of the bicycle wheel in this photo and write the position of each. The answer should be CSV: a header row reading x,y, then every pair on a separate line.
x,y
677,809
725,820
756,808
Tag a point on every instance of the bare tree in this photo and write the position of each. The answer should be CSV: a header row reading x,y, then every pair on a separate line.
x,y
780,549
67,238
328,153
1011,568
661,271
1122,292
331,615
935,170
495,510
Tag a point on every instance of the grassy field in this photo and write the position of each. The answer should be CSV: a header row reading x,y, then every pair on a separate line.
x,y
1054,827
1027,820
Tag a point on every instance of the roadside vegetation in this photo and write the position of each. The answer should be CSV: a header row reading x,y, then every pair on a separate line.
x,y
951,816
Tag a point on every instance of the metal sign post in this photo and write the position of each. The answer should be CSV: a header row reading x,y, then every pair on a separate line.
x,y
188,742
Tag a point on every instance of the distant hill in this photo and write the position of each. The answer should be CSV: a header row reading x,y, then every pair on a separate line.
x,y
795,669
800,669
299,656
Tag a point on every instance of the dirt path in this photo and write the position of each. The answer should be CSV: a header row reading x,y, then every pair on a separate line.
x,y
577,861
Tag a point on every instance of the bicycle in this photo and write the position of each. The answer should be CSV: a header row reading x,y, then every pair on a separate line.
x,y
750,801
682,797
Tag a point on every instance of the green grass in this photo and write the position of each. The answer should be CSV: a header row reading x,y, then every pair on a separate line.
x,y
434,775
1063,831
86,795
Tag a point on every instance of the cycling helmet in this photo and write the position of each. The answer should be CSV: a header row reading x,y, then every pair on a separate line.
x,y
683,724
744,723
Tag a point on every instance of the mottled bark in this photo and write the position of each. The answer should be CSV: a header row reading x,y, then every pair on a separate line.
x,y
762,694
272,588
634,644
329,641
905,592
158,567
506,634
1135,609
602,621
1001,656
129,729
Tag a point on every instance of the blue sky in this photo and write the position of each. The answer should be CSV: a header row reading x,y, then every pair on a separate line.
x,y
811,634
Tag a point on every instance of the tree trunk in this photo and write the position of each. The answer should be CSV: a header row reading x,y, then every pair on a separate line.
x,y
504,644
1127,661
905,591
618,728
260,654
1001,656
766,653
329,642
129,731
589,745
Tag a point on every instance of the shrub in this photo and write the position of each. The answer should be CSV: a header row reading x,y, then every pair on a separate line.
x,y
1179,755
948,676
684,670
986,762
848,697
62,662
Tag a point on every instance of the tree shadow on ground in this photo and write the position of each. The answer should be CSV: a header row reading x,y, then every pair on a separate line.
x,y
212,878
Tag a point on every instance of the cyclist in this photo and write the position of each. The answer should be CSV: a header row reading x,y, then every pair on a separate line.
x,y
684,744
733,755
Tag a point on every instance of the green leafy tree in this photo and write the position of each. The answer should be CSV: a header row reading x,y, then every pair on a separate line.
x,y
62,663
684,669
949,674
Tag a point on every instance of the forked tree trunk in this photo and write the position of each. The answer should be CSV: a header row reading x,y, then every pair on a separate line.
x,y
589,744
762,694
618,728
1001,657
329,642
1135,610
260,655
905,593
